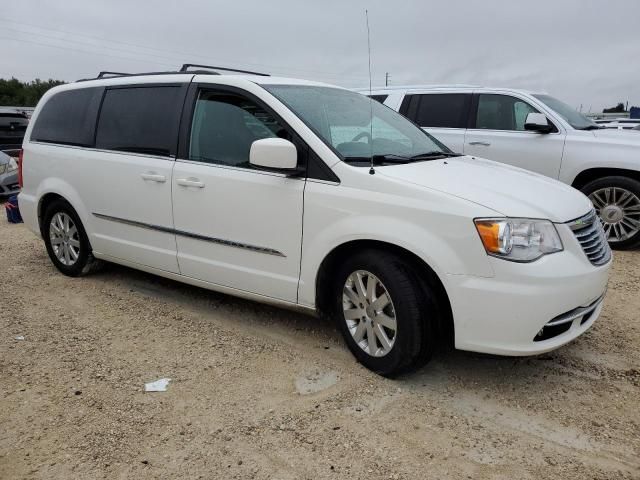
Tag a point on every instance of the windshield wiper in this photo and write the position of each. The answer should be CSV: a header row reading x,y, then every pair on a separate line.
x,y
591,127
435,154
380,159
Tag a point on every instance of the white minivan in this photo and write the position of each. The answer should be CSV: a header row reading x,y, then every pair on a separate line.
x,y
537,132
314,197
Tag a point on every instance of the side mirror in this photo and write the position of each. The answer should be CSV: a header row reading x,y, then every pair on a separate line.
x,y
274,154
537,122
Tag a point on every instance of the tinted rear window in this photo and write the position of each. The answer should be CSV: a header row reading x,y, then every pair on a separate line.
x,y
140,120
68,118
440,110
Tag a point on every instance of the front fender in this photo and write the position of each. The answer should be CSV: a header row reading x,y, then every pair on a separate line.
x,y
443,237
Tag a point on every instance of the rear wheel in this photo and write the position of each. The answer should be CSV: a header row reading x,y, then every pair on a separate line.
x,y
382,312
617,203
66,240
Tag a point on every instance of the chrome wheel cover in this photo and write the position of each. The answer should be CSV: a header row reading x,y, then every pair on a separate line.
x,y
619,212
64,238
369,313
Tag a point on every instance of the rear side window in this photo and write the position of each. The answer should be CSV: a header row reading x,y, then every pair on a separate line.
x,y
378,98
439,110
68,118
140,120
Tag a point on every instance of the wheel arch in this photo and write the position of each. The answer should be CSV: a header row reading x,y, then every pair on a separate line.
x,y
422,269
591,174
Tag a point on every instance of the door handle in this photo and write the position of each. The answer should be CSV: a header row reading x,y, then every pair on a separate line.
x,y
484,144
153,177
190,182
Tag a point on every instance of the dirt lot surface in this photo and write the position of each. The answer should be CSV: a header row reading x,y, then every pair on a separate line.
x,y
258,392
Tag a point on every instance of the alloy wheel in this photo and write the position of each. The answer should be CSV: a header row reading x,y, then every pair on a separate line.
x,y
619,212
369,313
64,238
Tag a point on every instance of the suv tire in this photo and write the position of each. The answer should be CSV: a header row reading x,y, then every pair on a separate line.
x,y
385,315
66,240
617,202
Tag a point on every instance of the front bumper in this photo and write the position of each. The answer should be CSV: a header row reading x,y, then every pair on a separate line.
x,y
507,313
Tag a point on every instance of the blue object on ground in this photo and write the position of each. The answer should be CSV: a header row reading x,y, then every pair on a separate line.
x,y
13,211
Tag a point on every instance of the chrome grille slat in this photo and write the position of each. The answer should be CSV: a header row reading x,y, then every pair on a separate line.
x,y
590,234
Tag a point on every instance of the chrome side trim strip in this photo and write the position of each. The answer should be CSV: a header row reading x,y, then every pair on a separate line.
x,y
204,238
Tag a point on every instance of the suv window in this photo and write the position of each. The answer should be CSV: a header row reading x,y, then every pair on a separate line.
x,y
438,110
140,120
502,112
12,128
378,98
225,125
69,118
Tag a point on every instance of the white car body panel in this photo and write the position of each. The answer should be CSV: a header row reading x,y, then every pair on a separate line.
x,y
426,208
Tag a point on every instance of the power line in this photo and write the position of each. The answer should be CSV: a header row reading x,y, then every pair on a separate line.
x,y
181,55
77,50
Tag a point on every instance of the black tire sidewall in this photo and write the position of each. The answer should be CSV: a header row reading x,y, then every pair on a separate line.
x,y
620,182
404,291
78,268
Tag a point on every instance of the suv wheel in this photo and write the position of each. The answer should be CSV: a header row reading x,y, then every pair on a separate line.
x,y
66,240
617,202
382,312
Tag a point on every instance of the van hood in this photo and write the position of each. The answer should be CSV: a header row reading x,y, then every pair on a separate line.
x,y
510,191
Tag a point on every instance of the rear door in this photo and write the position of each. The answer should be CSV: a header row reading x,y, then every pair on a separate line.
x,y
443,114
127,177
236,226
497,132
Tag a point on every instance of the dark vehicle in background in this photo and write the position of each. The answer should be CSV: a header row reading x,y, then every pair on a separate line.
x,y
8,176
13,125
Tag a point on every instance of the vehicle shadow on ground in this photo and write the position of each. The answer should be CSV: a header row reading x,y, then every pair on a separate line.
x,y
446,366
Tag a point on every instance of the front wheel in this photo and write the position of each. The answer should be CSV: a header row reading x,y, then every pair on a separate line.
x,y
384,314
617,203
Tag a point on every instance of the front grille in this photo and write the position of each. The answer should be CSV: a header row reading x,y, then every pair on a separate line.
x,y
589,232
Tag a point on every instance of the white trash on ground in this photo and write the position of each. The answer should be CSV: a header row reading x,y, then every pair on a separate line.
x,y
157,386
20,337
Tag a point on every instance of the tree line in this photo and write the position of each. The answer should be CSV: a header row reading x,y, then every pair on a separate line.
x,y
15,93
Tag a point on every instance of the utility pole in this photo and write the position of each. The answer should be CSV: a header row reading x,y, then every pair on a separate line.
x,y
386,79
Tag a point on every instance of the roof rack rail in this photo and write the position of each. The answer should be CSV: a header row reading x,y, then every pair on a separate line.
x,y
185,69
107,73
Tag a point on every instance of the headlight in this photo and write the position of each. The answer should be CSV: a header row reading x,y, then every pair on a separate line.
x,y
3,168
13,165
518,239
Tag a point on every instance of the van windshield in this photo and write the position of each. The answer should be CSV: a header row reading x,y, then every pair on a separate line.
x,y
571,115
357,128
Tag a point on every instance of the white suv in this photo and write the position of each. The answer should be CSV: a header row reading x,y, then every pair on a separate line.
x,y
313,197
537,132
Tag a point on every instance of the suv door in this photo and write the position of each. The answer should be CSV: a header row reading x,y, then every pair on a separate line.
x,y
237,226
126,180
497,132
443,115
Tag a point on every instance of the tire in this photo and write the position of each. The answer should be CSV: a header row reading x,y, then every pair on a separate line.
x,y
78,259
412,342
617,202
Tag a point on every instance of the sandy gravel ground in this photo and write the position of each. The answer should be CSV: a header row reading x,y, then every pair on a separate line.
x,y
262,393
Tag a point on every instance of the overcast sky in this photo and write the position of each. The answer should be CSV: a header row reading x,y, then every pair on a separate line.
x,y
582,51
